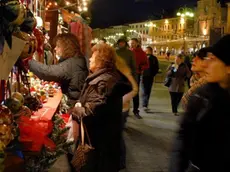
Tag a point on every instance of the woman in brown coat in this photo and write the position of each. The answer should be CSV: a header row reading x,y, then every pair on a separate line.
x,y
101,109
178,71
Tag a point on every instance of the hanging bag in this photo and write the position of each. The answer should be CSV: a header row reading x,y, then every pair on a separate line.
x,y
83,149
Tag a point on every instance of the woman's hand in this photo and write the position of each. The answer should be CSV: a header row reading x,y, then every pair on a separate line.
x,y
77,112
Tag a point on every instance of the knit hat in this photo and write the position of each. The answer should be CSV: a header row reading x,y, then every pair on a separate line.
x,y
203,52
122,39
221,49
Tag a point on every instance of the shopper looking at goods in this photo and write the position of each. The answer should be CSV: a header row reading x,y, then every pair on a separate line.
x,y
101,113
71,70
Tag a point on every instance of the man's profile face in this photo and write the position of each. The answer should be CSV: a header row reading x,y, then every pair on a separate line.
x,y
133,44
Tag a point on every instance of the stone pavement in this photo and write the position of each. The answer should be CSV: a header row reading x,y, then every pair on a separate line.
x,y
148,140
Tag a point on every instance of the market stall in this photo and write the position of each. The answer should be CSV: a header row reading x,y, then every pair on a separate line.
x,y
33,131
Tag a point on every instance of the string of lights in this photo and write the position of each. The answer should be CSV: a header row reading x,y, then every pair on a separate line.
x,y
56,9
53,6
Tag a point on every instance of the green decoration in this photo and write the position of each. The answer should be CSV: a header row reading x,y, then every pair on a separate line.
x,y
48,157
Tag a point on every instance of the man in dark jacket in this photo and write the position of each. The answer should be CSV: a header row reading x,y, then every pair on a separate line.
x,y
70,72
148,77
126,54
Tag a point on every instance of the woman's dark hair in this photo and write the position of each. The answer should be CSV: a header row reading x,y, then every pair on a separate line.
x,y
70,44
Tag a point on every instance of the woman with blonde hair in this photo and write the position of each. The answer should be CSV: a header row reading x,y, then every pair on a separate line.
x,y
130,88
71,70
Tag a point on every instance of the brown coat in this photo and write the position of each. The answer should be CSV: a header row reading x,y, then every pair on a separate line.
x,y
178,77
101,101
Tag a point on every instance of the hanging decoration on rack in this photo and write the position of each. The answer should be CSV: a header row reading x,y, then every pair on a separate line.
x,y
15,16
29,23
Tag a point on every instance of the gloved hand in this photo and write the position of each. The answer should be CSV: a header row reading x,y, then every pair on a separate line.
x,y
77,112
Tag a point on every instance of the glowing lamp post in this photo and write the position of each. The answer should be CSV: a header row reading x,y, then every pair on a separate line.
x,y
184,13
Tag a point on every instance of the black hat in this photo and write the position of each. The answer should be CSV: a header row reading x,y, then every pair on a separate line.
x,y
122,39
221,49
203,52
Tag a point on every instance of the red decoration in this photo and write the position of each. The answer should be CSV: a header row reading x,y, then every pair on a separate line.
x,y
40,43
35,132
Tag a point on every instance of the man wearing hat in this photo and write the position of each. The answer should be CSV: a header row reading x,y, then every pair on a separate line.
x,y
126,54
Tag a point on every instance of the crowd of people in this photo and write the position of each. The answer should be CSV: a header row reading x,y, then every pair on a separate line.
x,y
105,90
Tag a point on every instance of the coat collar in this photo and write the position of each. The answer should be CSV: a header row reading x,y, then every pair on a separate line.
x,y
98,73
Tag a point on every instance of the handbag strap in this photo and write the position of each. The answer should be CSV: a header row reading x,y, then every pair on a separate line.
x,y
83,131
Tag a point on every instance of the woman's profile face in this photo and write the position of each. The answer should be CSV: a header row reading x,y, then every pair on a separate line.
x,y
178,60
92,64
59,49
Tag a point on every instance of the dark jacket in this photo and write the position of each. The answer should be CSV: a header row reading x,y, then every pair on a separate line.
x,y
178,77
129,58
153,66
70,73
203,139
102,100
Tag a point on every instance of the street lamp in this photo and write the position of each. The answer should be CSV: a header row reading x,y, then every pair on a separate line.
x,y
184,13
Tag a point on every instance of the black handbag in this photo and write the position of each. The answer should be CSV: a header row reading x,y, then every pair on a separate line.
x,y
168,81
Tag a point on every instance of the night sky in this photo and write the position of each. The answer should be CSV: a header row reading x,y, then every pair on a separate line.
x,y
115,12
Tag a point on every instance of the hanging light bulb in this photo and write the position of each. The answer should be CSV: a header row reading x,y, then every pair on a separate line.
x,y
67,3
50,3
84,3
85,8
55,4
80,9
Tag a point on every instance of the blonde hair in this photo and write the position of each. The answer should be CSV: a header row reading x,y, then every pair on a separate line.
x,y
126,71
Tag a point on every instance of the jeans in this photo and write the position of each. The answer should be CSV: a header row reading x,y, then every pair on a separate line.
x,y
175,100
147,83
136,98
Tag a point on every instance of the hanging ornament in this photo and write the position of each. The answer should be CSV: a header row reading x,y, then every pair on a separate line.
x,y
6,120
14,12
29,23
40,46
31,44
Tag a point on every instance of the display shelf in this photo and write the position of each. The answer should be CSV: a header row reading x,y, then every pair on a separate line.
x,y
49,108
